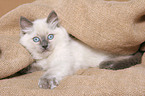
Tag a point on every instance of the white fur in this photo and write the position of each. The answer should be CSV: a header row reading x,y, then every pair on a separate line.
x,y
65,55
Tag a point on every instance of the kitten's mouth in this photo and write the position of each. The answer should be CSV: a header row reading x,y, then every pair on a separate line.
x,y
42,50
45,50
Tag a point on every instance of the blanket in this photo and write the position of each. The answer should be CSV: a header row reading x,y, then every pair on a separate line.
x,y
115,26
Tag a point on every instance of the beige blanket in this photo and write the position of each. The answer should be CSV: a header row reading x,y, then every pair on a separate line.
x,y
116,26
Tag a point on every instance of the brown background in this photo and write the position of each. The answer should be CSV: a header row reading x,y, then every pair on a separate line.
x,y
8,5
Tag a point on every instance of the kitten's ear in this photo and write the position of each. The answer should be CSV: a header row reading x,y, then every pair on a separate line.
x,y
25,24
52,19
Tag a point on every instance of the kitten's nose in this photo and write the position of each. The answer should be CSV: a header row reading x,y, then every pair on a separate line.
x,y
45,46
44,43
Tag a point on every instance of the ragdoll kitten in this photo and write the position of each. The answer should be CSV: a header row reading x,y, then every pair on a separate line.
x,y
59,55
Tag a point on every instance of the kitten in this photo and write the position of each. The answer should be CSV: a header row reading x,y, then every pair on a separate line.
x,y
59,55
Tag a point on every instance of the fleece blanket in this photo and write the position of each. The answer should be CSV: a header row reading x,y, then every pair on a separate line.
x,y
116,26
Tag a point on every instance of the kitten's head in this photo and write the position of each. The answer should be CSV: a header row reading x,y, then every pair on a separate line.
x,y
41,36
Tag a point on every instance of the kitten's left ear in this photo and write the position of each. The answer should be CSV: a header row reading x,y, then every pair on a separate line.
x,y
52,19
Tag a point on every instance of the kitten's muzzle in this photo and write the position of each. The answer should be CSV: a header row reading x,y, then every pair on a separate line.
x,y
44,44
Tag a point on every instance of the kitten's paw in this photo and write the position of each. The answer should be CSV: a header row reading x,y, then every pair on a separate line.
x,y
46,83
107,65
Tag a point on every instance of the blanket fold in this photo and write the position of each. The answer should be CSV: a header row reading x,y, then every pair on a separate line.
x,y
13,56
90,82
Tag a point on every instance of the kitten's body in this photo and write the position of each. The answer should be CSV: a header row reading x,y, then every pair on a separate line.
x,y
63,55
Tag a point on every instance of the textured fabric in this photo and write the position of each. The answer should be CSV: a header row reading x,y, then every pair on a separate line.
x,y
13,57
90,82
104,25
109,25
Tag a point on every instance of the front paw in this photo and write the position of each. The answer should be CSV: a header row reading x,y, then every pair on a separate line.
x,y
46,83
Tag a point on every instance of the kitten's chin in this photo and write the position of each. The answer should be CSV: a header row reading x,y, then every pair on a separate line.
x,y
45,52
42,54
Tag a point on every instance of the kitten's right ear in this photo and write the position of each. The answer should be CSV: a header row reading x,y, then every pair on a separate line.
x,y
25,24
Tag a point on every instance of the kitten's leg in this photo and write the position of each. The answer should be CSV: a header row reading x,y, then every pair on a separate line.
x,y
122,62
29,69
52,76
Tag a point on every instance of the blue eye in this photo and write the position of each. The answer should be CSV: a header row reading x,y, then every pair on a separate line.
x,y
50,37
36,39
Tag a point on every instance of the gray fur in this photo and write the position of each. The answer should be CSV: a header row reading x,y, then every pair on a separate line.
x,y
116,64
